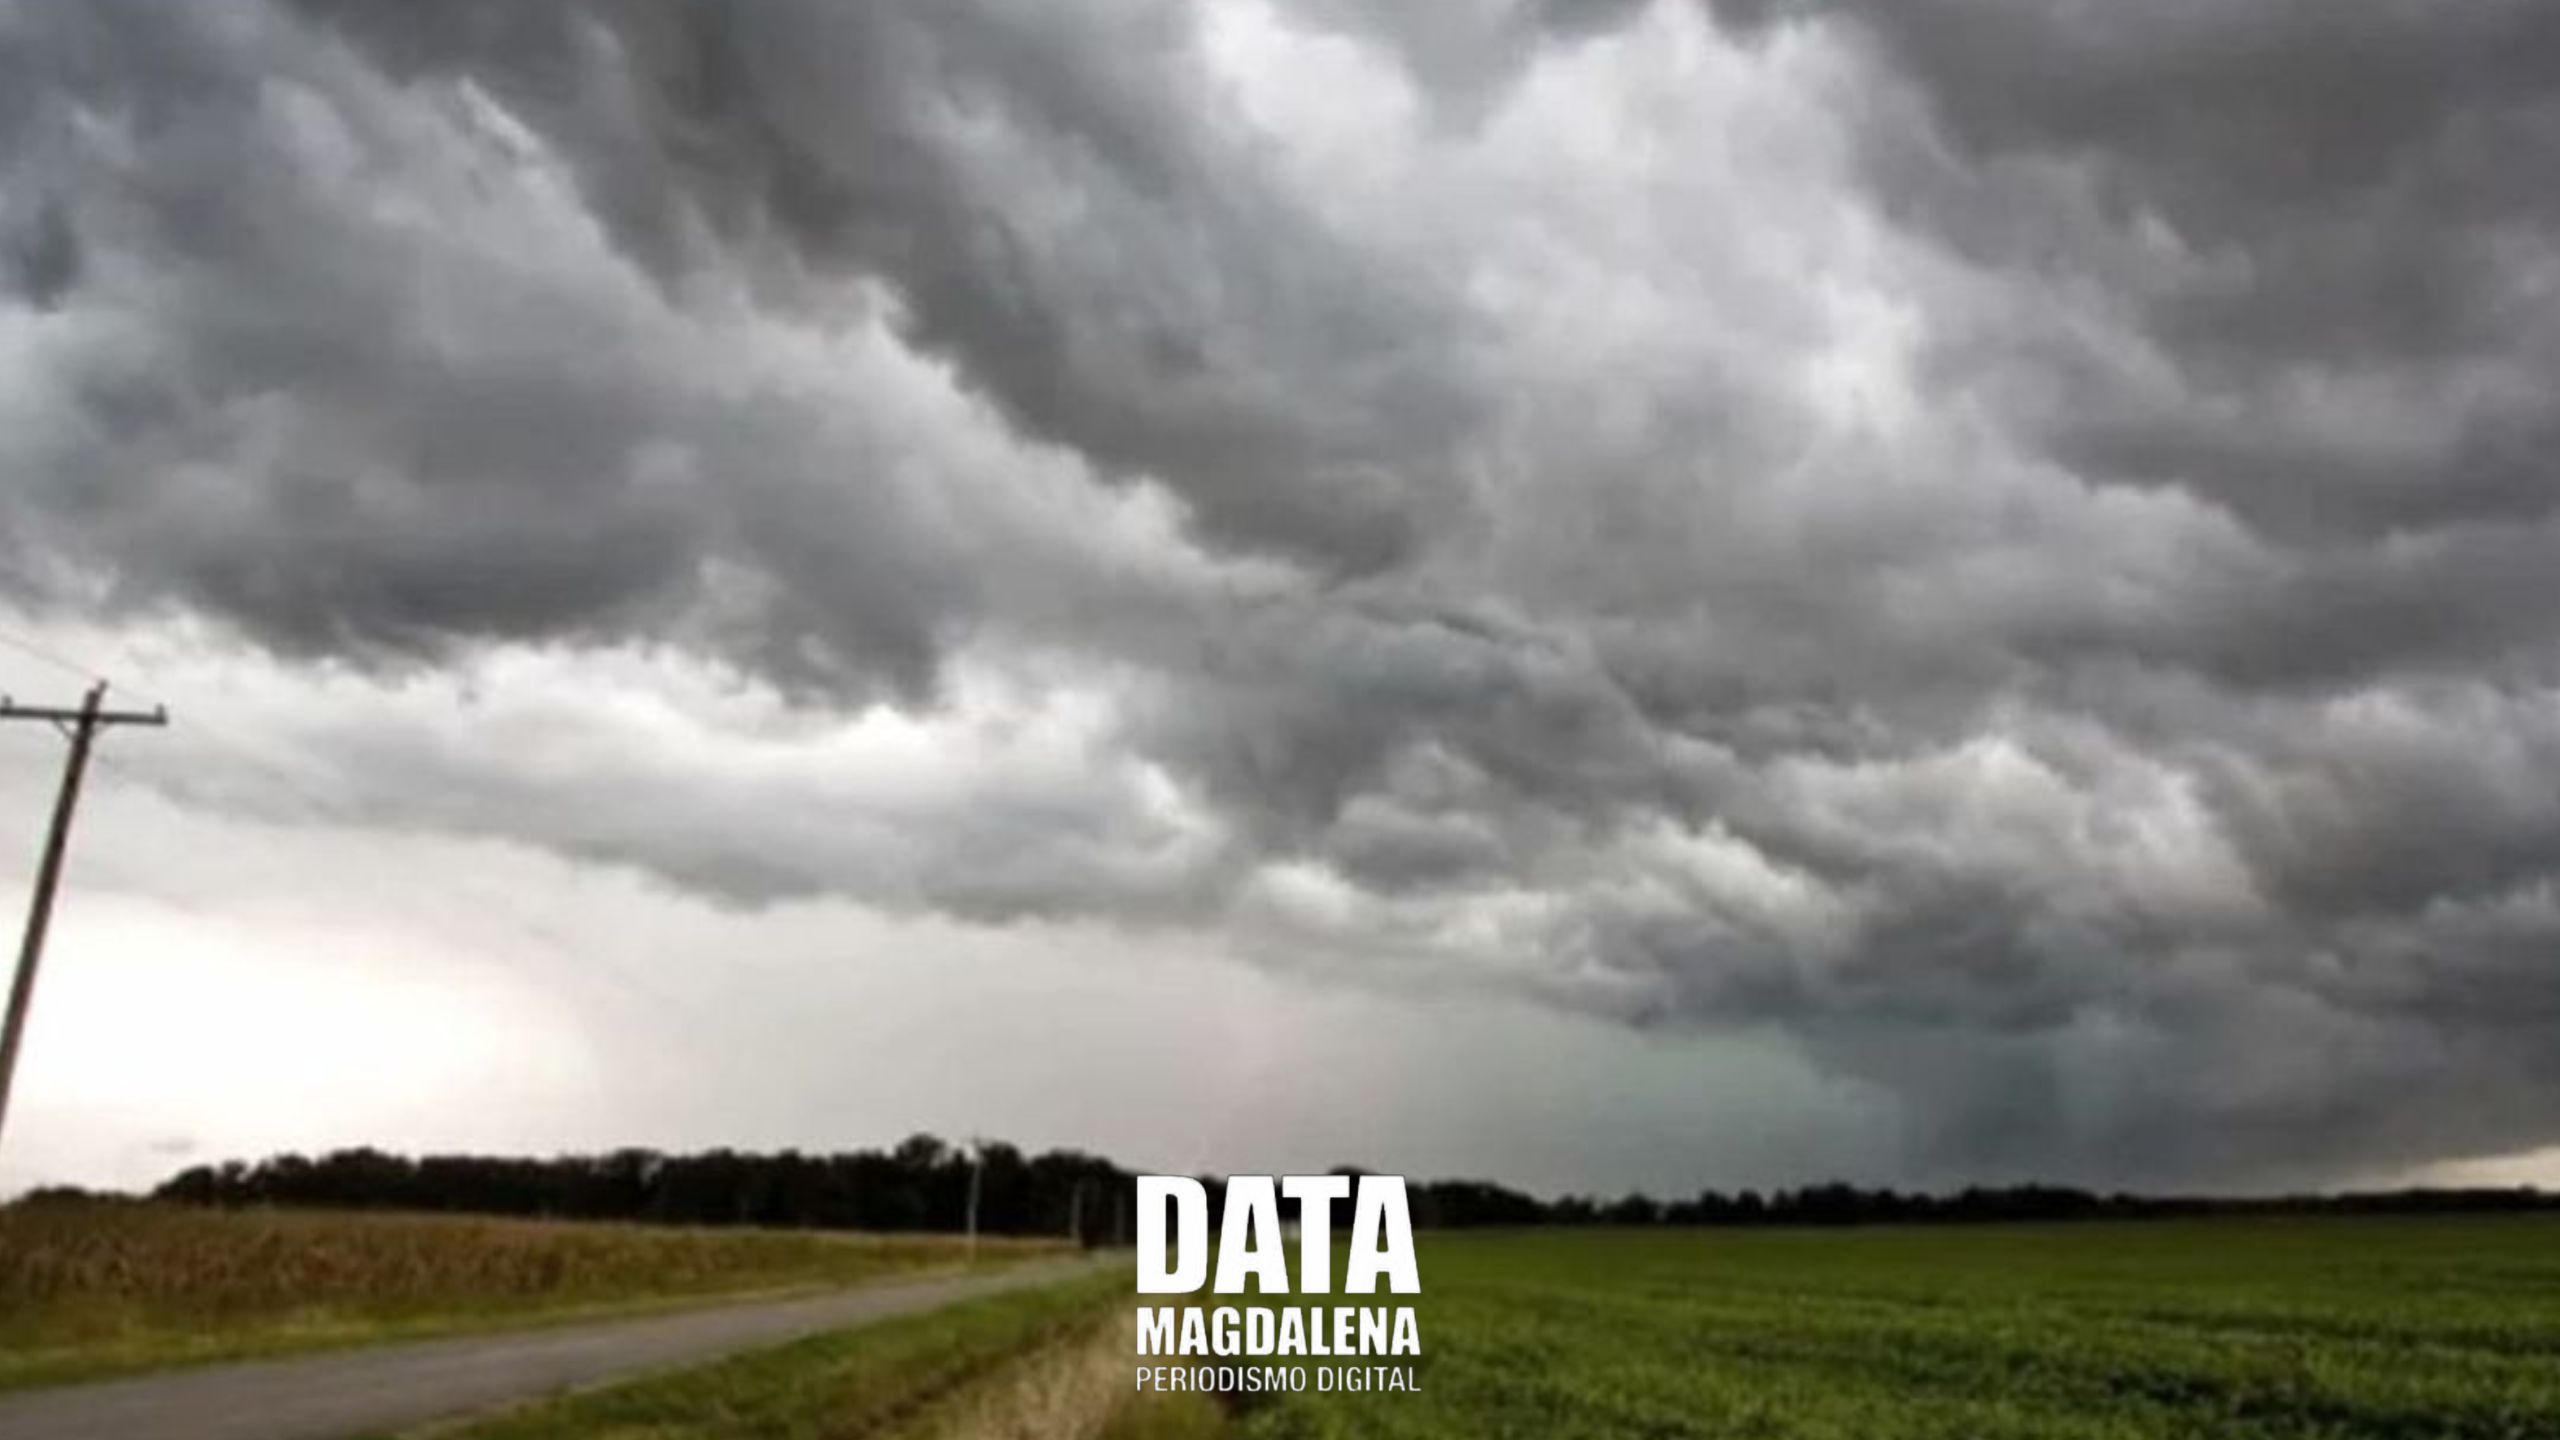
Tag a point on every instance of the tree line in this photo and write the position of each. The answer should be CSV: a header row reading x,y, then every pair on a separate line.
x,y
923,1183
1465,1204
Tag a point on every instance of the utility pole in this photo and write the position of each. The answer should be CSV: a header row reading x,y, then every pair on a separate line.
x,y
81,727
977,1168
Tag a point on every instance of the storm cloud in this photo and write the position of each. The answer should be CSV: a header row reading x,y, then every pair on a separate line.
x,y
2011,542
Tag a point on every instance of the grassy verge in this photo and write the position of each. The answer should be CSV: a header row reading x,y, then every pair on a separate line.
x,y
94,1290
1168,1417
1055,1360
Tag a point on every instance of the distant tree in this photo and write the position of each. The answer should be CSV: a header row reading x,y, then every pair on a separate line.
x,y
1632,1210
1465,1204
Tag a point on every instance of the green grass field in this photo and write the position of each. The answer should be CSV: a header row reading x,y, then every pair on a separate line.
x,y
96,1289
2332,1328
2339,1329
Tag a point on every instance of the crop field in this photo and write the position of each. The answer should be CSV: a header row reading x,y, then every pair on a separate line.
x,y
2331,1328
90,1289
2310,1329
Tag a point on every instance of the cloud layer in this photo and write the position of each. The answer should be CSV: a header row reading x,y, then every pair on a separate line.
x,y
2009,542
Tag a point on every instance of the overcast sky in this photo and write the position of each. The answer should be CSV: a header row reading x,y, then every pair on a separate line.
x,y
1589,592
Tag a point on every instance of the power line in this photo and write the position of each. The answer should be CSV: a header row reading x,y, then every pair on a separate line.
x,y
49,656
598,965
46,654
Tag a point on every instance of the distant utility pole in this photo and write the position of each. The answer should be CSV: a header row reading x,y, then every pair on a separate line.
x,y
81,727
977,1169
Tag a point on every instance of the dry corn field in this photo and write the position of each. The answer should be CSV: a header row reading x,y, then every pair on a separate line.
x,y
92,1288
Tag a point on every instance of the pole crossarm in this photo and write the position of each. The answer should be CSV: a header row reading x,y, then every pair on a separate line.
x,y
12,710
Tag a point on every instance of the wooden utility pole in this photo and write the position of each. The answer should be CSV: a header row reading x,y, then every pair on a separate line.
x,y
81,727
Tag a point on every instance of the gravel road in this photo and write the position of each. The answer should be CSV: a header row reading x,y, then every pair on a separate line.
x,y
388,1387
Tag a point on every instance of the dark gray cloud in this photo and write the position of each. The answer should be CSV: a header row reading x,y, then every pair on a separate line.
x,y
2007,541
2322,236
1204,335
